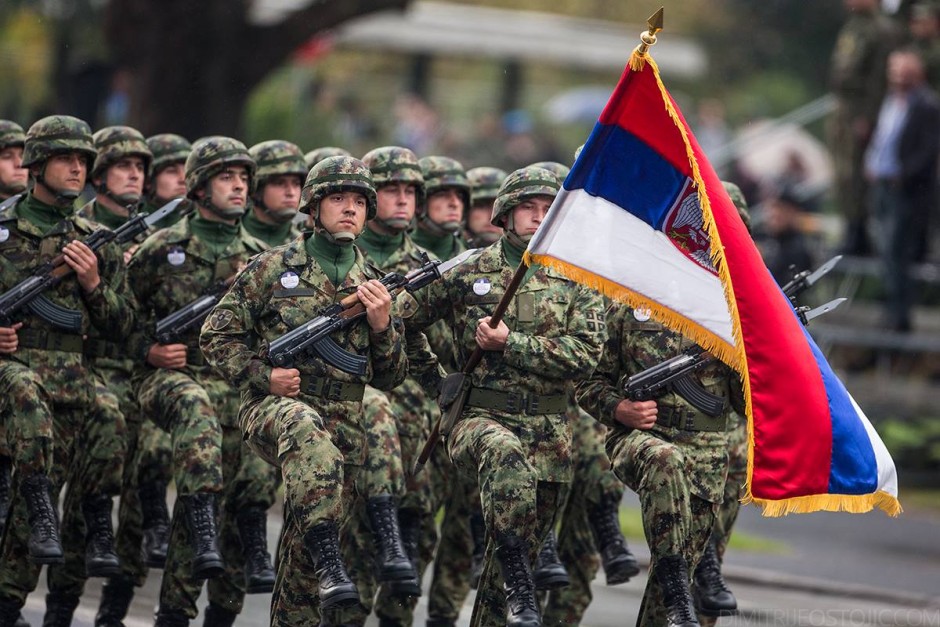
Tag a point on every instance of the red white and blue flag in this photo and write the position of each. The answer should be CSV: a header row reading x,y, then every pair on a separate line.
x,y
643,218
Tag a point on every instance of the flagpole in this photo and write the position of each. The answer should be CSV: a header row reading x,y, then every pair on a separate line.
x,y
648,37
474,360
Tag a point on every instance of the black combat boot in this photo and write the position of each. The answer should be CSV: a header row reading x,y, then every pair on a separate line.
x,y
201,523
101,559
10,613
550,573
672,573
392,560
156,523
259,572
336,588
116,597
619,563
44,544
59,609
478,533
521,606
6,483
409,524
171,618
441,622
711,593
217,616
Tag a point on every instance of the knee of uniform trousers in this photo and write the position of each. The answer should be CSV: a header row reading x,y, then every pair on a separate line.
x,y
313,471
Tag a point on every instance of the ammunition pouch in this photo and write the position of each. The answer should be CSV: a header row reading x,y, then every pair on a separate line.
x,y
46,341
331,389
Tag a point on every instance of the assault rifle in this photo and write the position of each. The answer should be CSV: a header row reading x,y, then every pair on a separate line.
x,y
675,374
314,335
172,328
28,293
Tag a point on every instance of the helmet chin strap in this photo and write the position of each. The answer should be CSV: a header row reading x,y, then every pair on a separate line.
x,y
522,241
127,201
225,214
62,198
395,225
341,238
437,229
280,217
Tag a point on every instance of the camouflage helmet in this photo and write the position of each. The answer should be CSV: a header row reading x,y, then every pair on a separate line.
x,y
211,155
57,134
484,183
317,155
737,197
168,149
521,184
444,172
276,157
114,143
393,164
337,174
560,170
11,134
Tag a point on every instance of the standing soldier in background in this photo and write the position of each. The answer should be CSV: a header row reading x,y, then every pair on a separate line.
x,y
317,155
47,394
13,179
440,218
512,435
857,79
118,175
183,395
673,455
484,183
307,419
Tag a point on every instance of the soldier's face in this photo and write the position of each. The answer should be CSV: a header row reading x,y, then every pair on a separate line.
x,y
479,219
281,194
396,201
528,215
445,205
126,177
66,172
170,182
343,212
230,188
12,173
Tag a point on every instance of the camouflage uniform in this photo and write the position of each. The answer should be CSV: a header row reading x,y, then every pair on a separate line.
x,y
274,158
442,240
46,388
678,467
857,79
114,425
11,136
172,268
318,438
513,435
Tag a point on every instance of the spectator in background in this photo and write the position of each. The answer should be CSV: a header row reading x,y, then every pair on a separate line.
x,y
781,241
901,165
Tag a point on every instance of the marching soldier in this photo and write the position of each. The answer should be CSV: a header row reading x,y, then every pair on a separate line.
x,y
484,183
512,435
440,217
47,392
307,419
672,454
317,155
183,395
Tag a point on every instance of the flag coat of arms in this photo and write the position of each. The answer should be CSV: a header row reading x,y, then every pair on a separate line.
x,y
643,218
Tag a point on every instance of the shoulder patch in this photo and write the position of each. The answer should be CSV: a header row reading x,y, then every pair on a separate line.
x,y
407,305
220,319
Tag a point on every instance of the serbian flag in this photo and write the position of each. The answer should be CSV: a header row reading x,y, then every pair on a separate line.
x,y
643,218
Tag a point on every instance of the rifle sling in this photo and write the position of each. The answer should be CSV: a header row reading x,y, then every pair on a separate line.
x,y
331,389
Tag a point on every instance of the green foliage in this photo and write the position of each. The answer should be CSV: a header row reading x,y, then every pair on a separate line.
x,y
914,443
25,64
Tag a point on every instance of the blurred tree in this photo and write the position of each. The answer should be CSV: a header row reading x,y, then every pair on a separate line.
x,y
194,64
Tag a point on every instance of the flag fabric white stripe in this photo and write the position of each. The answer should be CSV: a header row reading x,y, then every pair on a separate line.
x,y
887,473
604,239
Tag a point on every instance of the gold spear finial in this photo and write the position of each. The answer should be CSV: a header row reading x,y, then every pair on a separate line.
x,y
648,37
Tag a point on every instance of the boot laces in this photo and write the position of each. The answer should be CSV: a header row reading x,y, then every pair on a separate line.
x,y
676,587
523,594
99,529
203,519
43,523
709,570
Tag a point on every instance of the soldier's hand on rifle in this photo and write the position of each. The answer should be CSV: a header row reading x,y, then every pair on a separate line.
x,y
490,339
8,339
83,261
378,303
285,382
636,414
169,356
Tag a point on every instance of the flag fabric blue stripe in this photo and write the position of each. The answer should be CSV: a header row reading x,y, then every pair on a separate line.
x,y
622,169
853,469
